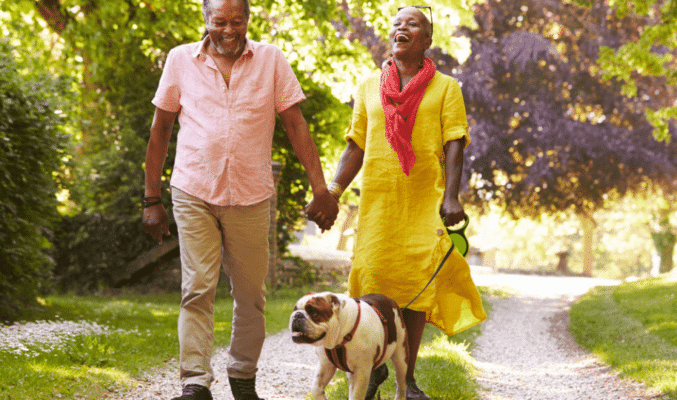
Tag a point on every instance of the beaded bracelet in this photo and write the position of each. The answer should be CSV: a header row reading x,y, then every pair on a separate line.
x,y
335,190
147,202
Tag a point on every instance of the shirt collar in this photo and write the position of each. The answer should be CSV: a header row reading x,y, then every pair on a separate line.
x,y
201,50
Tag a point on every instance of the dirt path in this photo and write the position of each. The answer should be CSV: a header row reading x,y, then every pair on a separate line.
x,y
526,352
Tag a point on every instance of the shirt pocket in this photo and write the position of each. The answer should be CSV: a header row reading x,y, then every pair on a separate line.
x,y
208,105
256,98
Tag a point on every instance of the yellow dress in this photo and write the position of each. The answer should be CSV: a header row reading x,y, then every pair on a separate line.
x,y
401,238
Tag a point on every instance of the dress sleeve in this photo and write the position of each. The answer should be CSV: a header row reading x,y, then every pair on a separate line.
x,y
357,132
454,119
168,94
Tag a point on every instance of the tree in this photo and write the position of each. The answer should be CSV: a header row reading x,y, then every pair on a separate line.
x,y
573,138
648,59
31,149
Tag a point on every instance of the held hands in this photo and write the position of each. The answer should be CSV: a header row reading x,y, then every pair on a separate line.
x,y
155,221
322,210
452,212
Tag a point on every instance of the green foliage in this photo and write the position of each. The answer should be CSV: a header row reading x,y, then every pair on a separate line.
x,y
651,53
31,151
632,328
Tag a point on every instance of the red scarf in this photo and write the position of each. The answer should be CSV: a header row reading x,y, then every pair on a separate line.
x,y
399,119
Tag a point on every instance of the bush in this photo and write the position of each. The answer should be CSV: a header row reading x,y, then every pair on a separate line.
x,y
31,148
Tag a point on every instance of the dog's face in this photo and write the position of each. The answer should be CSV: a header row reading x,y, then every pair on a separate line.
x,y
314,316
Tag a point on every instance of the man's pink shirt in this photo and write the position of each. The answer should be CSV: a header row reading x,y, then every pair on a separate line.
x,y
224,144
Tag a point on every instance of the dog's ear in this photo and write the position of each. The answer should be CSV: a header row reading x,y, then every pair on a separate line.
x,y
335,302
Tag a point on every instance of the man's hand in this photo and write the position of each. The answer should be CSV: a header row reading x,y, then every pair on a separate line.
x,y
452,212
155,221
323,210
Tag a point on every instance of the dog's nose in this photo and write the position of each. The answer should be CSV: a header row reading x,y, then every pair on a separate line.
x,y
297,315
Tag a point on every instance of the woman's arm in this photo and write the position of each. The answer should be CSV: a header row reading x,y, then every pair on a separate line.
x,y
350,164
452,211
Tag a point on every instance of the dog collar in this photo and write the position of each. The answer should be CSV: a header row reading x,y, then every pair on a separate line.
x,y
338,355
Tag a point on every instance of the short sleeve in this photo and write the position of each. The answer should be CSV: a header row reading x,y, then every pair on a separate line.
x,y
357,132
454,118
287,87
168,94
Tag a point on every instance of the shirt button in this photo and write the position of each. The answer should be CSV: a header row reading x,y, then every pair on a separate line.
x,y
440,232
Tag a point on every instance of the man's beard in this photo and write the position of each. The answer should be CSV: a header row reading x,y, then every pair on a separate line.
x,y
227,49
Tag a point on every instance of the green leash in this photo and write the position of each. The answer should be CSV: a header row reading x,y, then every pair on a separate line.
x,y
458,240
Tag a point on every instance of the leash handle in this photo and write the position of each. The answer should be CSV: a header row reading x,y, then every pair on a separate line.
x,y
434,275
458,237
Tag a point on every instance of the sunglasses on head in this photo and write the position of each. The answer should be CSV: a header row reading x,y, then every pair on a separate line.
x,y
430,9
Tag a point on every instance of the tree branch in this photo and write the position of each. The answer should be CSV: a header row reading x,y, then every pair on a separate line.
x,y
51,11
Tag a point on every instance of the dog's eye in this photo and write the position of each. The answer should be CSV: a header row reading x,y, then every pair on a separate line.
x,y
312,312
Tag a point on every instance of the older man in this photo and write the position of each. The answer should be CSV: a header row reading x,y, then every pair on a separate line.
x,y
226,91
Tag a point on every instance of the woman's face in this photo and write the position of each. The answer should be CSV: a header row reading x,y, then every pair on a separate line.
x,y
408,37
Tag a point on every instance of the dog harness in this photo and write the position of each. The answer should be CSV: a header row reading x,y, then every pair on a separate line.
x,y
338,355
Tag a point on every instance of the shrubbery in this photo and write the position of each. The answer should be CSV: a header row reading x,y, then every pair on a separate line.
x,y
31,151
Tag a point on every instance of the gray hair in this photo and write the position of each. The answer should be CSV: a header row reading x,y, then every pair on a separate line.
x,y
427,25
207,9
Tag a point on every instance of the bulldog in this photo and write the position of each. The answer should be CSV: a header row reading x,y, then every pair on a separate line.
x,y
354,335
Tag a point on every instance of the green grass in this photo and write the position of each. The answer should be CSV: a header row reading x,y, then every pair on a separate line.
x,y
633,328
89,366
145,337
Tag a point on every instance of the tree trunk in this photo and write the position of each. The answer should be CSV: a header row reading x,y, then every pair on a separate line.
x,y
665,241
272,230
588,227
92,111
350,219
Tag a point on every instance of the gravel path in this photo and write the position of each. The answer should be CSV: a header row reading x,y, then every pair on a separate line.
x,y
526,352
285,373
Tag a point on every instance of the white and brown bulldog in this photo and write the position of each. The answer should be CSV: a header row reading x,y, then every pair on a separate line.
x,y
354,335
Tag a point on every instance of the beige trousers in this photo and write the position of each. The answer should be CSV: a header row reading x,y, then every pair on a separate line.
x,y
237,238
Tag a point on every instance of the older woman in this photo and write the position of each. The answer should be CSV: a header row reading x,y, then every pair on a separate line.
x,y
408,133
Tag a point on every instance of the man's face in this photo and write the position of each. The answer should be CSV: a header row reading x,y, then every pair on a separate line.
x,y
227,27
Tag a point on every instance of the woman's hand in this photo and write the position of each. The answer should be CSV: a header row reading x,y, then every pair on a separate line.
x,y
322,210
452,211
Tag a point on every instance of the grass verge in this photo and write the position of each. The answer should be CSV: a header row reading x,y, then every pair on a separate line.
x,y
633,328
141,335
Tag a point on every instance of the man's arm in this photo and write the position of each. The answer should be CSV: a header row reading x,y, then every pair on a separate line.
x,y
325,208
155,220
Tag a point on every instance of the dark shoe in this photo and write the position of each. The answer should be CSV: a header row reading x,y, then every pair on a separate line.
x,y
244,389
194,392
376,378
414,393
